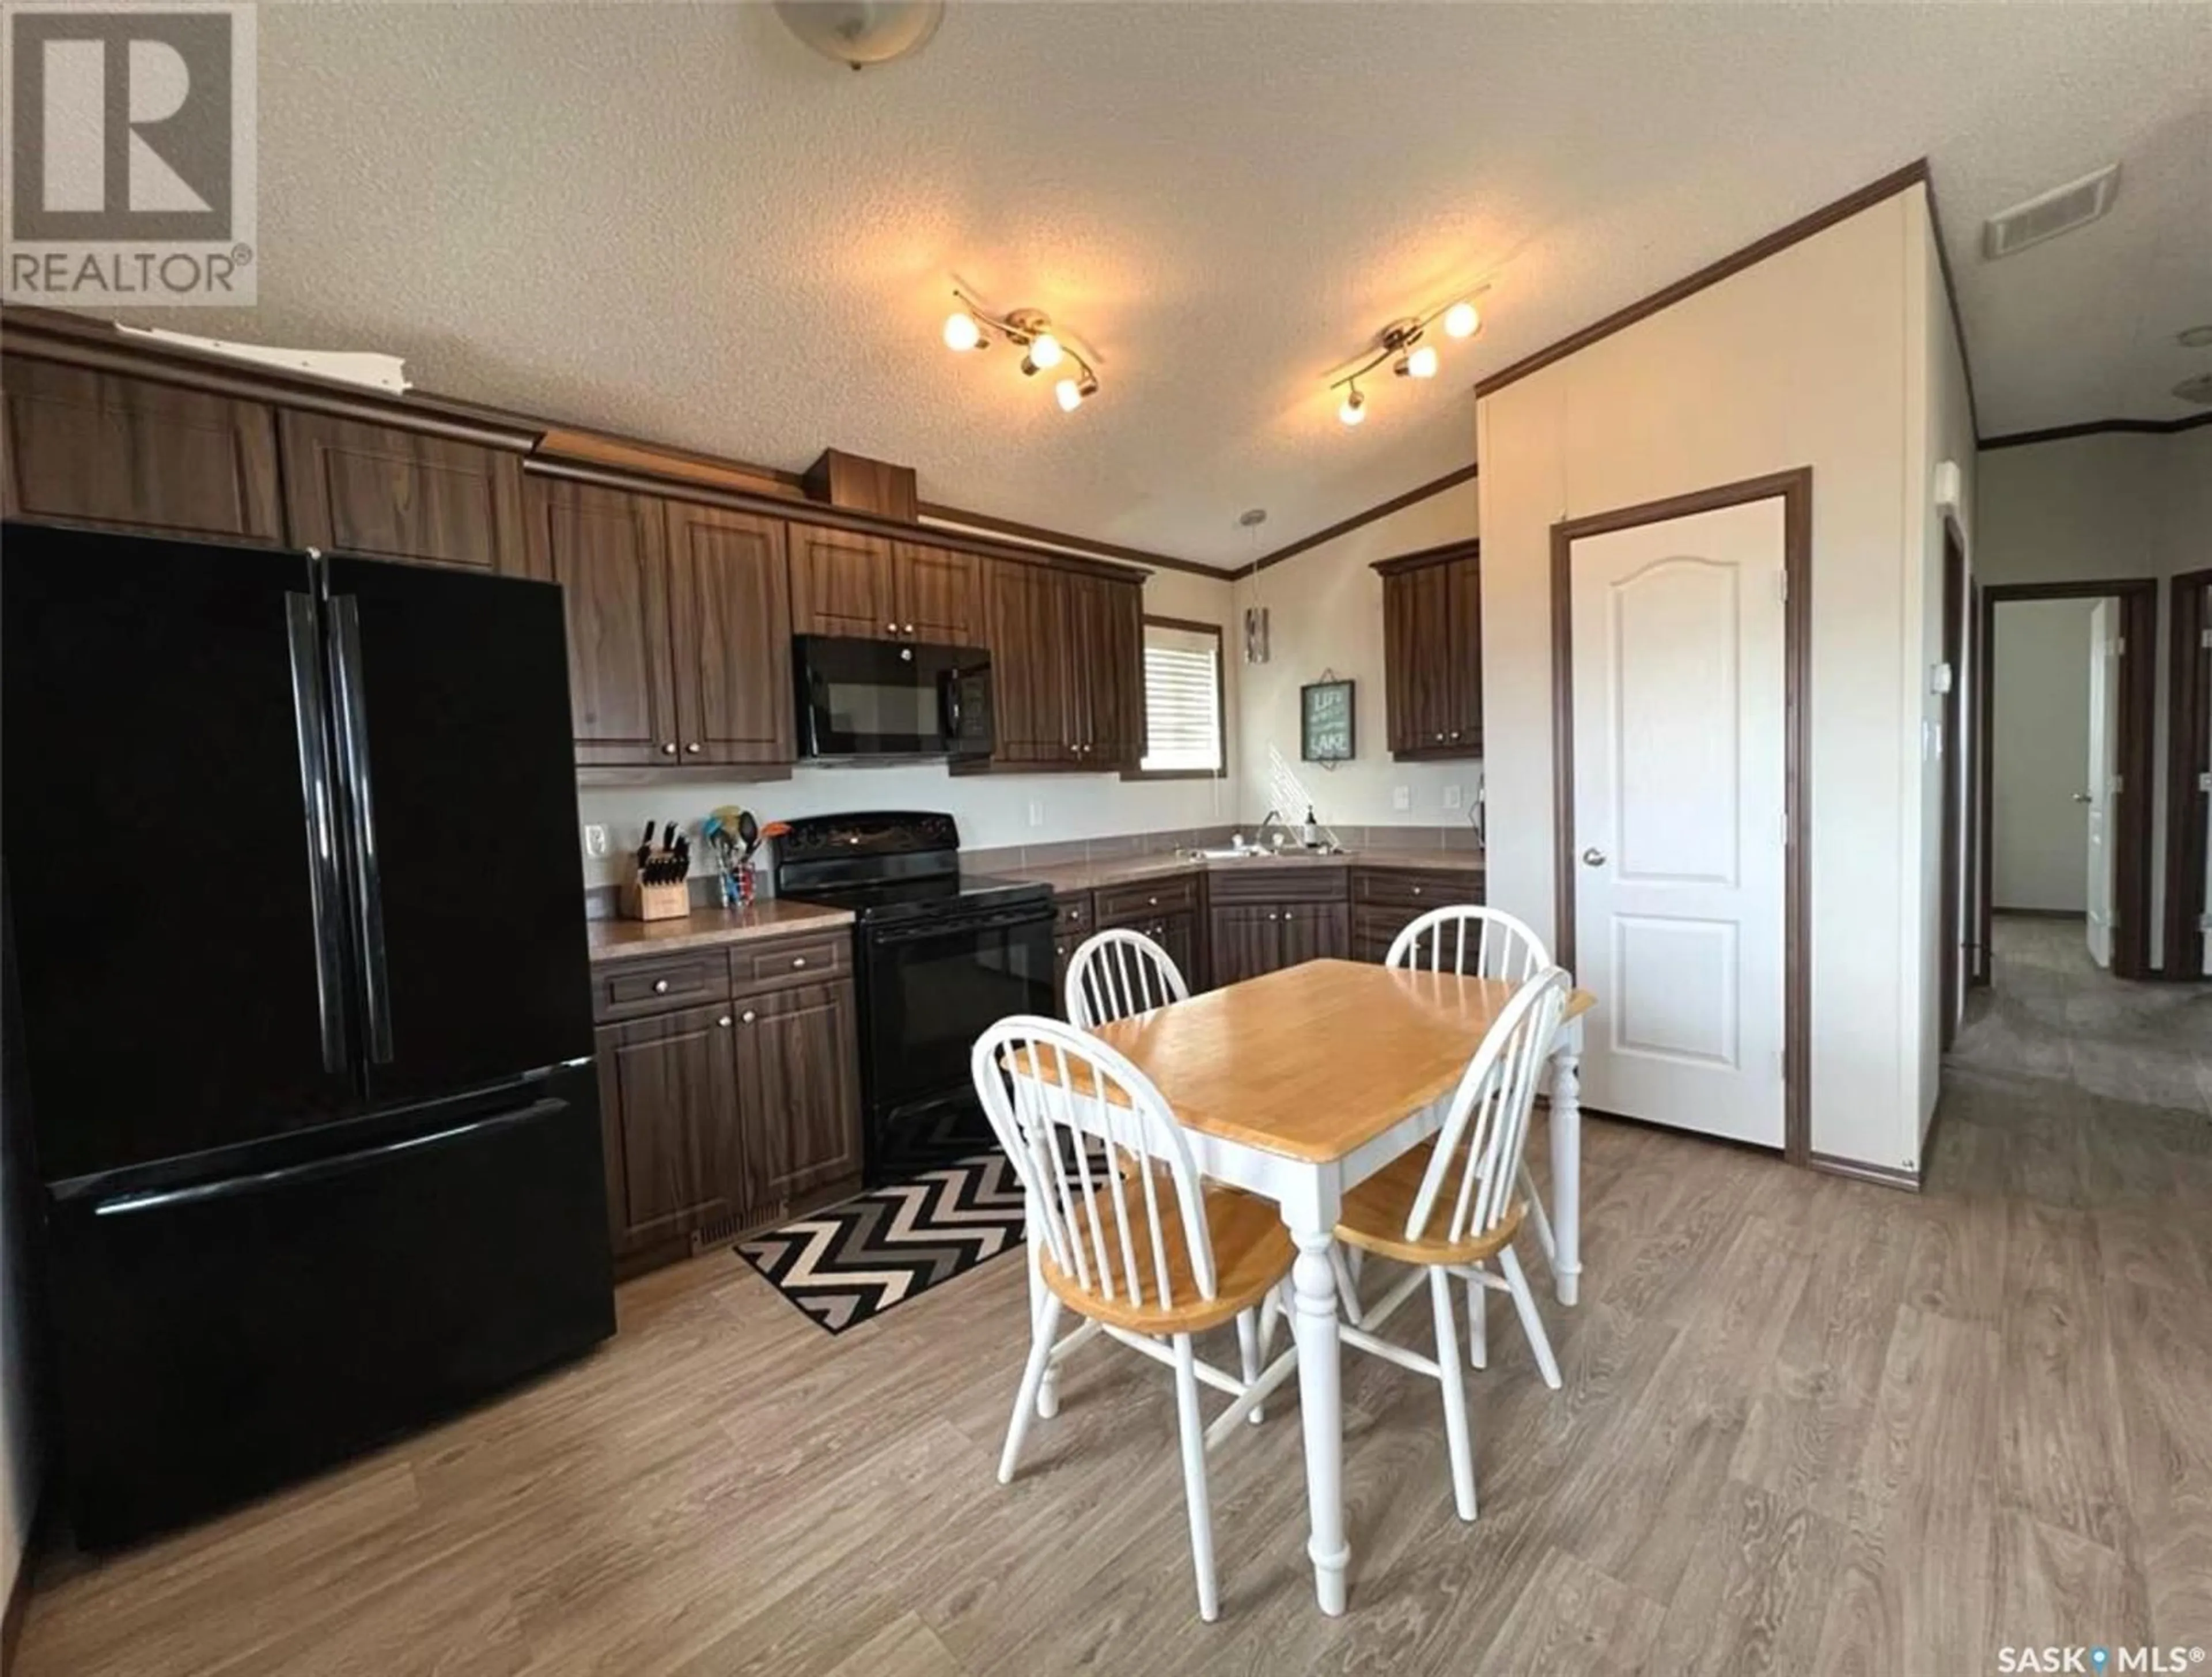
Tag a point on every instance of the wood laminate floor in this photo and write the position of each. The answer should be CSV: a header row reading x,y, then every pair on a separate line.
x,y
1809,1426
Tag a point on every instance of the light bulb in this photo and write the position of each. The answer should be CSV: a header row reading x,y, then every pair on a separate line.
x,y
1354,409
1044,351
961,331
1421,361
1461,320
1070,395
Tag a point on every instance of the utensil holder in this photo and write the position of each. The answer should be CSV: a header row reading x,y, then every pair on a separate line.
x,y
656,901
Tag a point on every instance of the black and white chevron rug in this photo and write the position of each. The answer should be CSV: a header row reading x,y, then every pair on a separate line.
x,y
855,1260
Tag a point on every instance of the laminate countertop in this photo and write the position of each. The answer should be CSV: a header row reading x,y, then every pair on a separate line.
x,y
1066,877
622,940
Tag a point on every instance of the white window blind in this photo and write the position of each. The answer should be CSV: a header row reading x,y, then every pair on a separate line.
x,y
1182,701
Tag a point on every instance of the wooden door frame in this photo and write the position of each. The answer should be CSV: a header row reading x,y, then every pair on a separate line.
x,y
2188,754
1795,490
2131,866
1951,954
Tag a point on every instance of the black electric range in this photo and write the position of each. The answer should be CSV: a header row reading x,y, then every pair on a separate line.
x,y
940,956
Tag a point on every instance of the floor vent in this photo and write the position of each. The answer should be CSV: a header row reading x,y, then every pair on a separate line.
x,y
2059,210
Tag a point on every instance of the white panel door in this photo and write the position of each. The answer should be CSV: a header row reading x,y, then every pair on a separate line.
x,y
1678,806
2104,757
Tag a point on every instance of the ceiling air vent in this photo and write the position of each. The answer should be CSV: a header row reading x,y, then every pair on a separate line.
x,y
2059,210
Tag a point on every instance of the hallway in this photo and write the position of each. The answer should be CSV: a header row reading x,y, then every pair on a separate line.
x,y
2050,1012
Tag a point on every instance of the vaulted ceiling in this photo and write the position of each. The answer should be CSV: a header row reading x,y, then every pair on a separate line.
x,y
676,221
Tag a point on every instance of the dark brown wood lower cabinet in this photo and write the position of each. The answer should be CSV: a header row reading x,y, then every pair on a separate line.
x,y
675,1140
798,1058
1250,939
1313,931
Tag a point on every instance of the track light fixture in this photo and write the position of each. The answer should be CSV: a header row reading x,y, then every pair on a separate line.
x,y
972,326
1402,345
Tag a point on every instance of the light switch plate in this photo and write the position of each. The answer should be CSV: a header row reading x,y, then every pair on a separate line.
x,y
1401,798
1453,796
1037,813
595,840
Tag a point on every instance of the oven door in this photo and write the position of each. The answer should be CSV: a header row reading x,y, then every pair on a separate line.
x,y
928,991
891,699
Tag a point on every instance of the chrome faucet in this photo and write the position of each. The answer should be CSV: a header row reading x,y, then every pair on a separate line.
x,y
1274,819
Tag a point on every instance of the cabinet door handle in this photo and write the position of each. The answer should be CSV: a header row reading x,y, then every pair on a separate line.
x,y
724,1021
890,629
1417,890
1454,733
749,1016
799,960
910,629
660,986
668,750
693,747
1153,901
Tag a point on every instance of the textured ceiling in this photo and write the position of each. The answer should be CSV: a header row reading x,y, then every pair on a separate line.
x,y
676,221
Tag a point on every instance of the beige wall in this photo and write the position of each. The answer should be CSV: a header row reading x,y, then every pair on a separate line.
x,y
991,809
2113,505
1325,612
2039,756
1818,356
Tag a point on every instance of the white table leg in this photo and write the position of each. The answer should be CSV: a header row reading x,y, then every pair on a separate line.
x,y
1566,1128
1321,1411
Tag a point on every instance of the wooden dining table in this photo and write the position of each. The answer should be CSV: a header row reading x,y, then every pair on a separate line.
x,y
1301,1084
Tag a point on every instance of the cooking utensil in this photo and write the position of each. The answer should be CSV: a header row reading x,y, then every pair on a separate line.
x,y
748,833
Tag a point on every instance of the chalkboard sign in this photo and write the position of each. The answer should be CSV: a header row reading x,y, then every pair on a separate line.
x,y
1325,708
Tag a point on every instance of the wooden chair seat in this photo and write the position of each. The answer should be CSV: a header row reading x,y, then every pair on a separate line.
x,y
1252,1253
1374,1213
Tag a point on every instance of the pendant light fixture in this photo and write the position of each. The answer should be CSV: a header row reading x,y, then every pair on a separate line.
x,y
972,326
1405,344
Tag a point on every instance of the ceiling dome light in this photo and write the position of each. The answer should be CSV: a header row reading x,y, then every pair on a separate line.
x,y
860,32
961,331
1045,351
1421,361
1461,320
1354,409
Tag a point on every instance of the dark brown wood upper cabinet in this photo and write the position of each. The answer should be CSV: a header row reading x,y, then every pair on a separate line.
x,y
391,493
138,455
1033,683
1110,645
939,595
674,1136
798,1056
729,610
842,583
1432,653
607,550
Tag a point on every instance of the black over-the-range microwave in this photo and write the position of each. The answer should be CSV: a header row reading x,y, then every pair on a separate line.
x,y
890,698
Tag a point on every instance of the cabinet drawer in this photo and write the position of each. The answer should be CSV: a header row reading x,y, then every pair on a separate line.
x,y
1264,883
787,961
630,989
1403,888
1147,900
1073,915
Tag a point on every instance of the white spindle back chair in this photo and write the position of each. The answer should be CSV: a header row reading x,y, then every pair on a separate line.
x,y
1477,942
1123,1231
1119,972
1449,1209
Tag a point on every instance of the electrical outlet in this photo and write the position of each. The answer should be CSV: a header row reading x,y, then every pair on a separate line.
x,y
1401,798
1452,796
595,840
1037,813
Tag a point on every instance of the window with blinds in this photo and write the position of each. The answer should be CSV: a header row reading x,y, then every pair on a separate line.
x,y
1182,701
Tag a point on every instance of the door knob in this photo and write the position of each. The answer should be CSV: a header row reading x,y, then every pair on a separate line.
x,y
1593,857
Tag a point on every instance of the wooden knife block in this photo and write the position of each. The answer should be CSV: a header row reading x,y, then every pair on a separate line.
x,y
656,901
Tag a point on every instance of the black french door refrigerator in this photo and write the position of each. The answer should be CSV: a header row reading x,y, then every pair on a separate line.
x,y
299,1024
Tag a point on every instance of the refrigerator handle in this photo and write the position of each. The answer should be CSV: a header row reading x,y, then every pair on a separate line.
x,y
322,842
353,772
